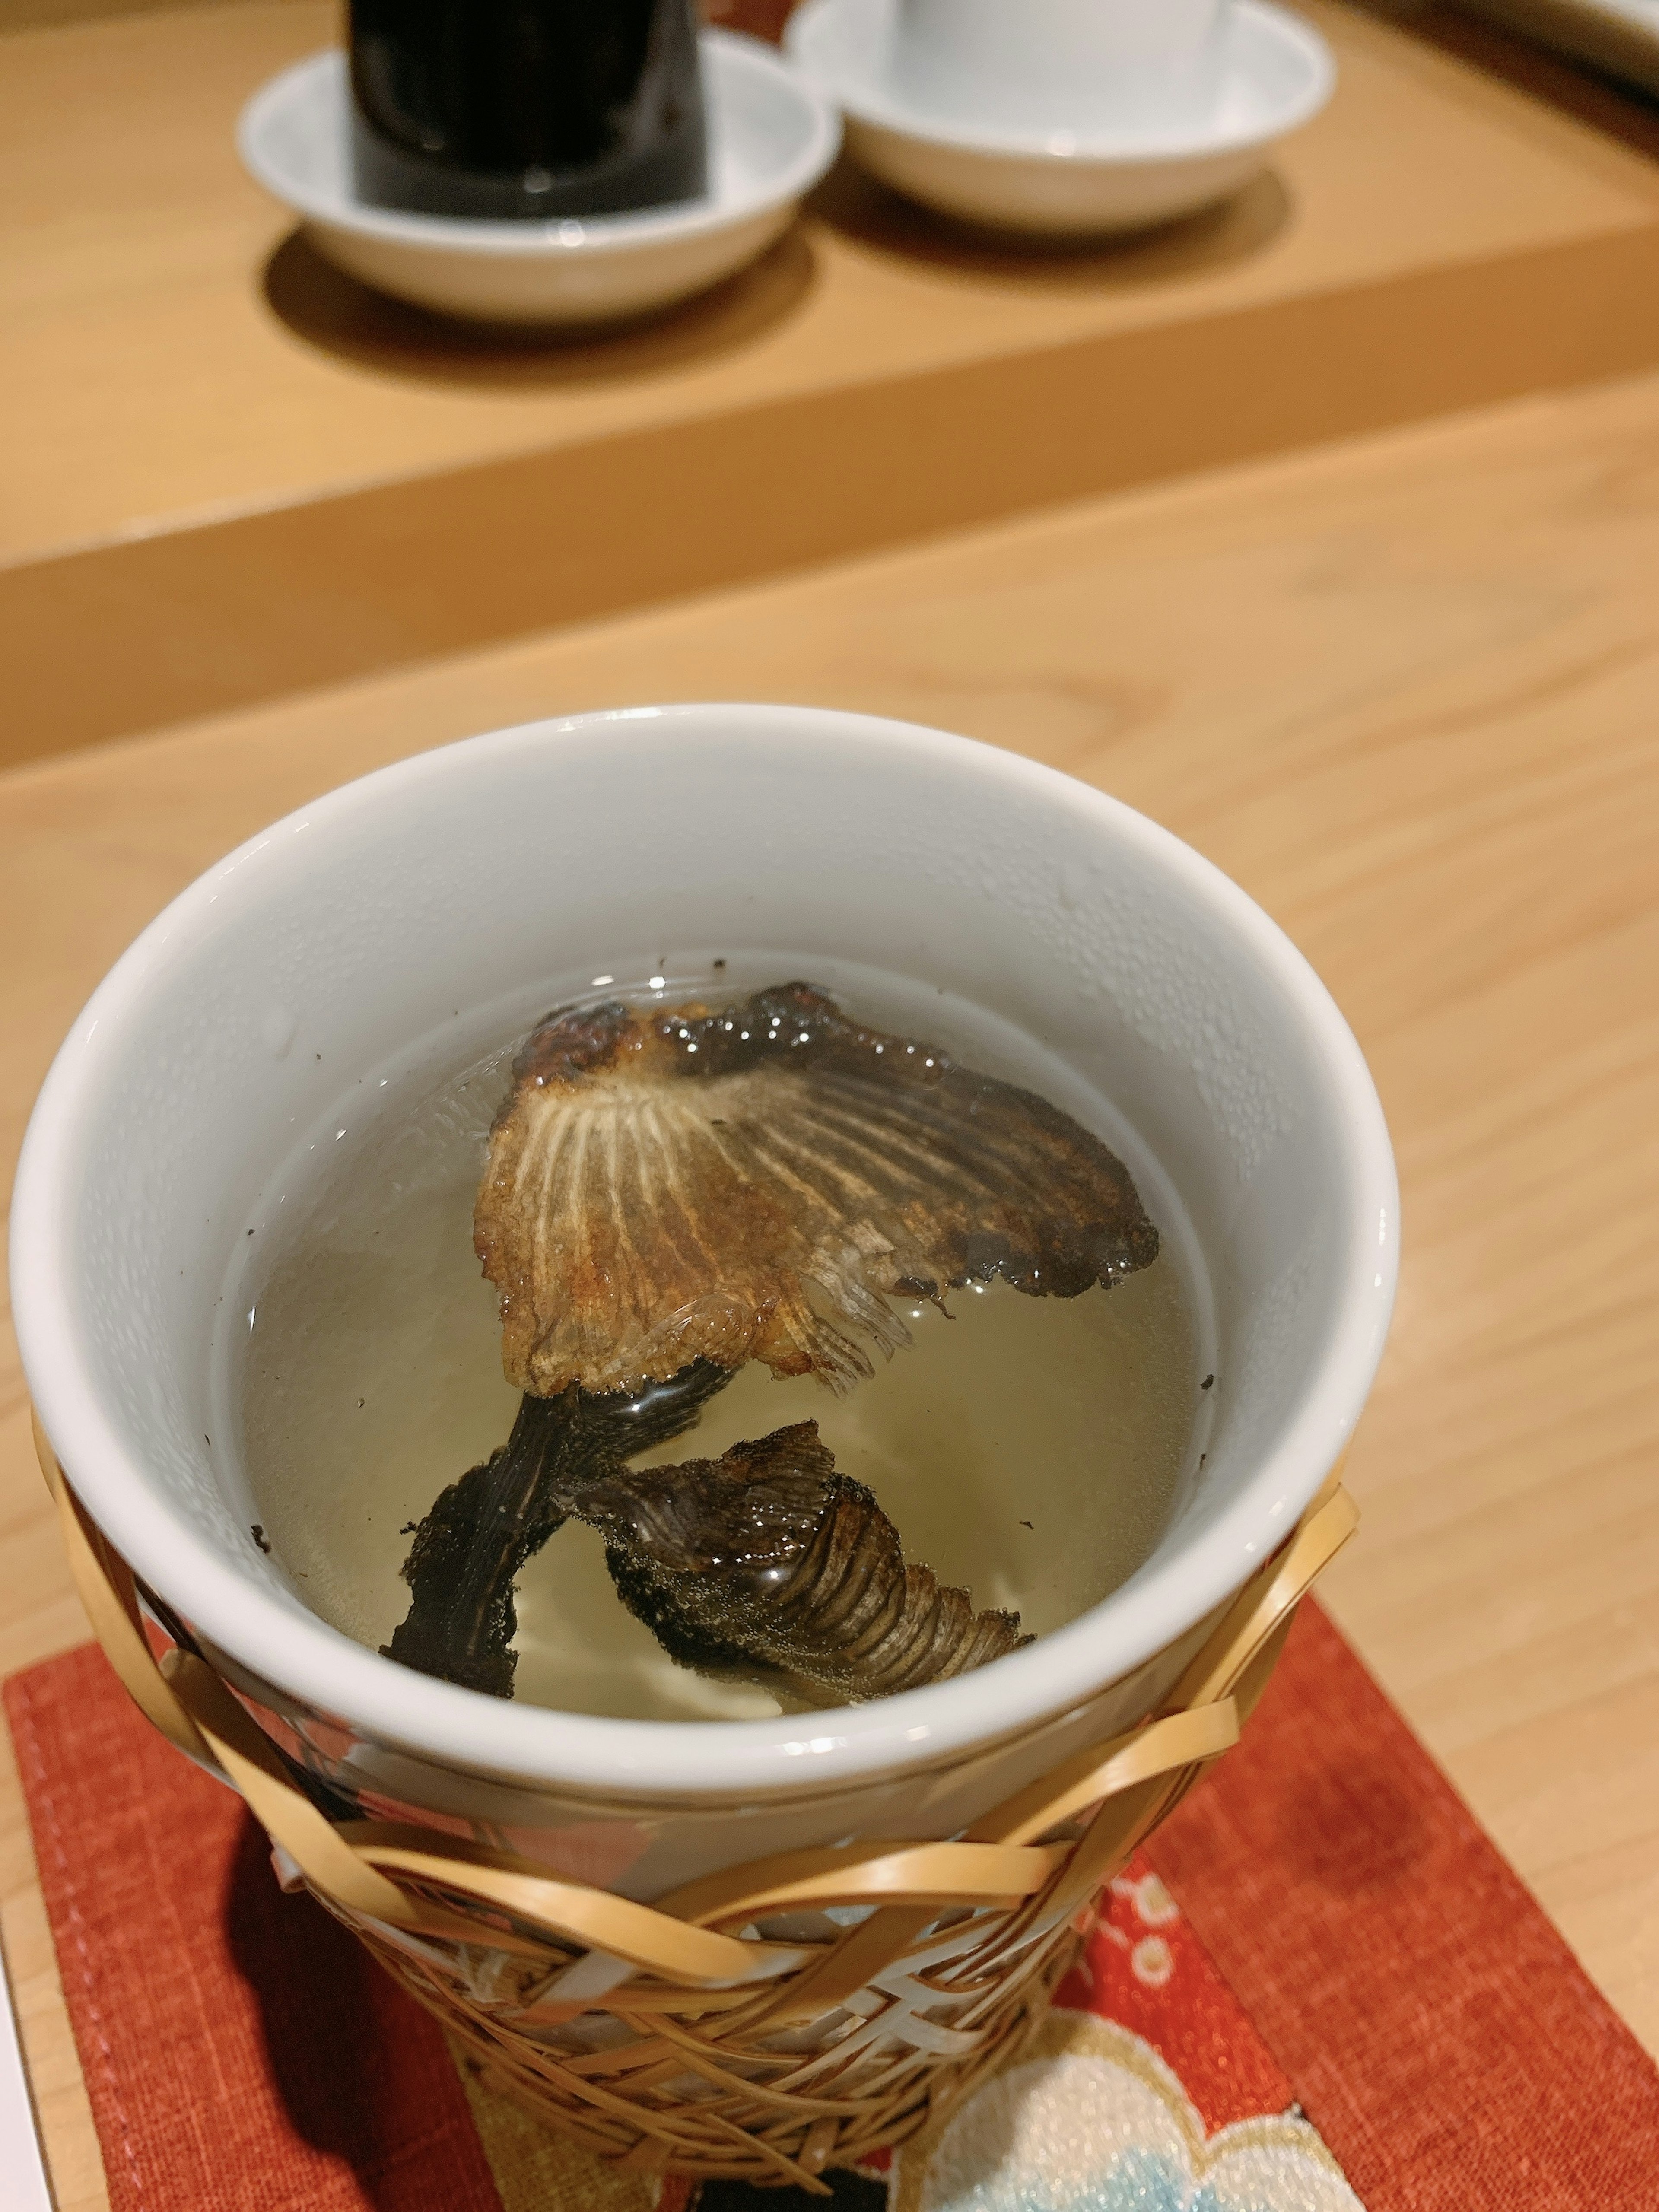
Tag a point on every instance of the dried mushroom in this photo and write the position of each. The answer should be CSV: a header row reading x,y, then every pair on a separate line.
x,y
768,1557
469,1550
755,1182
671,1194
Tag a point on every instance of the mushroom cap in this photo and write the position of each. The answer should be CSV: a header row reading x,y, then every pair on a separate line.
x,y
756,1181
768,1558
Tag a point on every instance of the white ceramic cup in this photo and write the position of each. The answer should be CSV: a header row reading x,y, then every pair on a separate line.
x,y
1080,67
499,869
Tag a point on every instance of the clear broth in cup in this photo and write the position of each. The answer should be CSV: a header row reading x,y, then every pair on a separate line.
x,y
1027,1449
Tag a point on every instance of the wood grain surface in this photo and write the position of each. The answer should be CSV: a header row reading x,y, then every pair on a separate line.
x,y
245,474
1406,691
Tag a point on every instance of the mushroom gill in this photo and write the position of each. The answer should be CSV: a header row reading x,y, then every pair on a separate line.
x,y
756,1181
768,1558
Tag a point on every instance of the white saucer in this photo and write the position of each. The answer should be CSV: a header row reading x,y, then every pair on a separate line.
x,y
1278,72
771,136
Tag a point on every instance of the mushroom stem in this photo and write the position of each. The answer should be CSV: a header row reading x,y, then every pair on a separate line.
x,y
481,1530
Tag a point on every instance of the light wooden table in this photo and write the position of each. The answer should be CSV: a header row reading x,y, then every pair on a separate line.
x,y
1406,689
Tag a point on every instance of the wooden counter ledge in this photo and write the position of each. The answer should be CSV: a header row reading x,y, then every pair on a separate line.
x,y
245,475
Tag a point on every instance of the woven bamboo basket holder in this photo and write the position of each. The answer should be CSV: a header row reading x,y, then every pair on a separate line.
x,y
771,2021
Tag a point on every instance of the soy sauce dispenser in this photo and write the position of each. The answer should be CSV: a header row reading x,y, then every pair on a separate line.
x,y
528,110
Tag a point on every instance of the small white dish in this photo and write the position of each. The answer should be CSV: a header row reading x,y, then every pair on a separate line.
x,y
1094,65
1276,73
771,136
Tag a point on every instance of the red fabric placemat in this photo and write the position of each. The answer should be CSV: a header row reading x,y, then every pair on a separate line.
x,y
1449,2044
1322,1968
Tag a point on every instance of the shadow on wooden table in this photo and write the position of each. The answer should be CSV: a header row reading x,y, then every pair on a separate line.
x,y
862,210
328,309
360,2075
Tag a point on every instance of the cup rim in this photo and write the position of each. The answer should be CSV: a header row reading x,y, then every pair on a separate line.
x,y
304,1658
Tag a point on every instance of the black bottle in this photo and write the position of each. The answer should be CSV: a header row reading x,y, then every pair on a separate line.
x,y
535,109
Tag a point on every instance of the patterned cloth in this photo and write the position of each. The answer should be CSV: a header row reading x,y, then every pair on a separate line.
x,y
1320,1988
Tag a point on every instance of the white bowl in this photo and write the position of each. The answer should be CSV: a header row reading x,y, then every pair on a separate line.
x,y
498,869
771,136
1276,73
